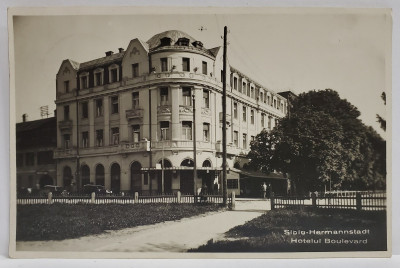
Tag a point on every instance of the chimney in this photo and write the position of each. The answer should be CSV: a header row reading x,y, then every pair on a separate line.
x,y
24,117
109,53
120,49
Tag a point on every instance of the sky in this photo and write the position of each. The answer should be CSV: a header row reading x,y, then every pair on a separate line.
x,y
297,51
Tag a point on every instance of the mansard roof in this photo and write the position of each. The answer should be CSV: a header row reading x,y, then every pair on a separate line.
x,y
102,61
174,35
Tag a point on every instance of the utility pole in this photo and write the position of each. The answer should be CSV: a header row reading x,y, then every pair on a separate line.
x,y
225,190
194,147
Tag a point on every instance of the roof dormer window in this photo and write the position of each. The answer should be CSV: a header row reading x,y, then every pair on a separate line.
x,y
166,41
183,42
197,44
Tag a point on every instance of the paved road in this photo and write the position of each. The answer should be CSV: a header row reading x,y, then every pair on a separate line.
x,y
174,236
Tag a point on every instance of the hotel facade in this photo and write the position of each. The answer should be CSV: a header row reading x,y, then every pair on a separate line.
x,y
127,120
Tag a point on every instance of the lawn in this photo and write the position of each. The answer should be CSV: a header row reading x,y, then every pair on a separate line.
x,y
305,230
62,221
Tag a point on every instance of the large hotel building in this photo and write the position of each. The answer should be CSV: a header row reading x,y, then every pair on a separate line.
x,y
126,120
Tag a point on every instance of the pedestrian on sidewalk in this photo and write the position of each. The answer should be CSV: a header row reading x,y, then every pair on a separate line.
x,y
264,189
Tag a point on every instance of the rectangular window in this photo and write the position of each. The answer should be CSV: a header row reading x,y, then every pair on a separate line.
x,y
20,160
67,140
204,67
85,110
164,96
222,76
235,83
135,70
261,96
114,105
113,75
262,120
232,184
252,117
186,96
269,122
186,64
206,132
248,90
252,92
206,98
235,107
115,136
146,179
66,86
99,107
244,113
236,138
45,158
98,79
252,138
244,141
164,64
99,137
84,82
244,88
186,130
66,112
136,133
135,100
164,130
29,159
85,139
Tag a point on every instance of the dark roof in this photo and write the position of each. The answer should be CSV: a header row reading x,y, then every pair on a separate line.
x,y
102,61
36,134
259,174
32,125
214,51
173,34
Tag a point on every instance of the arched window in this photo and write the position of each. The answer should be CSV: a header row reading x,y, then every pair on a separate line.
x,y
136,177
99,174
85,175
67,176
115,178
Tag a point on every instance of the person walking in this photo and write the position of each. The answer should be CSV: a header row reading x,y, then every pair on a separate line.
x,y
264,189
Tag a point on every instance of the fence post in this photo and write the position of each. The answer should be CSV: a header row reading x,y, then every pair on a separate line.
x,y
50,198
314,200
358,201
136,197
272,201
93,197
178,196
233,200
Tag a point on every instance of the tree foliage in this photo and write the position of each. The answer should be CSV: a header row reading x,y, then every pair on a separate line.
x,y
322,143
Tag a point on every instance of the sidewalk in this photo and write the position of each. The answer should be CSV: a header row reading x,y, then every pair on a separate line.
x,y
174,236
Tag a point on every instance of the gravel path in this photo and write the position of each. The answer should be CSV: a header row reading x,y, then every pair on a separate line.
x,y
173,236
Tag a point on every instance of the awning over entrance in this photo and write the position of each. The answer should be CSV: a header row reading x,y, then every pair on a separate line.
x,y
258,174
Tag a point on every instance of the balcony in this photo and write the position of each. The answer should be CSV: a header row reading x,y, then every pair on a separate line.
x,y
230,149
124,147
183,144
164,109
134,114
65,125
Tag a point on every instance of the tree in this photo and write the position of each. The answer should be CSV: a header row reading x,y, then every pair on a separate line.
x,y
381,120
322,143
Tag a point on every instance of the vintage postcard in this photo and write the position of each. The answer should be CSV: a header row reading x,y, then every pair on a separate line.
x,y
200,132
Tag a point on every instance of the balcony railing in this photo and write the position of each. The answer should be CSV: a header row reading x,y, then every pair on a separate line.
x,y
134,114
123,147
65,125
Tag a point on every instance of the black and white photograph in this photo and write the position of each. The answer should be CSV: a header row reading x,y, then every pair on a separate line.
x,y
200,133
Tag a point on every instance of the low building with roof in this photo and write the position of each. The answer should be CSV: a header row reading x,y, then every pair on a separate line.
x,y
128,121
35,143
